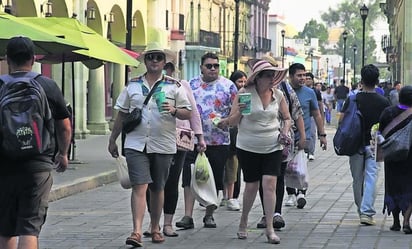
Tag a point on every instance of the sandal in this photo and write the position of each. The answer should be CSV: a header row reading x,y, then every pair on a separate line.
x,y
273,238
168,231
242,235
135,239
157,238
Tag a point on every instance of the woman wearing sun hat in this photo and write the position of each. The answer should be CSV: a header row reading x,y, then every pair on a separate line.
x,y
260,138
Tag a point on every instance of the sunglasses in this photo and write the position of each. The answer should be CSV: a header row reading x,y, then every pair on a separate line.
x,y
209,66
155,56
268,74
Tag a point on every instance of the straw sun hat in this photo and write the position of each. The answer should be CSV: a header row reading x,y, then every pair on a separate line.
x,y
263,65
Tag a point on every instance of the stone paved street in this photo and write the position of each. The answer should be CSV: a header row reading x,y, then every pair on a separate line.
x,y
100,218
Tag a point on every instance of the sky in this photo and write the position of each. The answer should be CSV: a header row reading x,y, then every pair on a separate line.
x,y
300,12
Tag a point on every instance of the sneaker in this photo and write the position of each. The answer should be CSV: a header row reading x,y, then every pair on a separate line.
x,y
209,222
291,201
223,202
367,220
233,205
301,201
311,157
262,223
186,223
278,222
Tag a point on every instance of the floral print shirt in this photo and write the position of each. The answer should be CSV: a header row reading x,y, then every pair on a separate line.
x,y
213,101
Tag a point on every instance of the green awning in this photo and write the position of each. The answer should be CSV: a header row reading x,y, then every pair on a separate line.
x,y
99,48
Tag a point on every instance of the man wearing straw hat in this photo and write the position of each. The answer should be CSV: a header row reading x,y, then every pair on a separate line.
x,y
151,145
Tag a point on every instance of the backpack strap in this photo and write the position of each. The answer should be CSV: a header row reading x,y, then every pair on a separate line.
x,y
286,91
6,78
397,120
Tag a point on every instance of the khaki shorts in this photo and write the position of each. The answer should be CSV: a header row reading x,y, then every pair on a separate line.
x,y
231,169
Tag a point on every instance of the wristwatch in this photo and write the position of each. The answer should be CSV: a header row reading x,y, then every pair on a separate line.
x,y
174,113
321,135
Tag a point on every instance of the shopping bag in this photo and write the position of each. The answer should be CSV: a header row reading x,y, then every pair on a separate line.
x,y
296,173
202,166
123,172
204,191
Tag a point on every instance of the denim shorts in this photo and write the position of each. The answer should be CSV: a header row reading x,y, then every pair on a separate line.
x,y
145,168
24,201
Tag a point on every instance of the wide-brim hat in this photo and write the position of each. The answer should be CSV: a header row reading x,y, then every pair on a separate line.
x,y
258,66
153,47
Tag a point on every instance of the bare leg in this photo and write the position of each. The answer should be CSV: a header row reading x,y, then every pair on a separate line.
x,y
167,223
28,242
8,242
229,190
249,196
189,201
138,203
269,199
156,204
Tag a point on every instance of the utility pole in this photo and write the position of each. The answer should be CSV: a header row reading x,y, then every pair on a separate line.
x,y
236,35
128,34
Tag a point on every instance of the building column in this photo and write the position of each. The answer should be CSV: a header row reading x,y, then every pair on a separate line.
x,y
407,43
96,122
117,87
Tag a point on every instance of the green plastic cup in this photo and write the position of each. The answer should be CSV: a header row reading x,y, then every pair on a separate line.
x,y
246,98
160,99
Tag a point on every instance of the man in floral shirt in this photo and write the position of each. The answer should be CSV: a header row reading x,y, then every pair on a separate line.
x,y
214,95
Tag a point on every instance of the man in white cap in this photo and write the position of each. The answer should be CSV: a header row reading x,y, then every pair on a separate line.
x,y
150,146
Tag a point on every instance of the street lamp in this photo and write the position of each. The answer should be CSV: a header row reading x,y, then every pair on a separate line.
x,y
345,36
311,61
354,47
283,32
327,70
236,35
364,13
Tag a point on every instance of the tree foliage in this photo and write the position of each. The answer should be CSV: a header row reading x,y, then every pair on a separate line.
x,y
347,15
313,29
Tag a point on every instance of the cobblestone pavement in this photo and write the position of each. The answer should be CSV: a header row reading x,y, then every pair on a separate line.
x,y
100,218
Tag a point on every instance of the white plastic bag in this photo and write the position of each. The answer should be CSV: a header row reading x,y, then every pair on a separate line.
x,y
204,192
296,173
123,172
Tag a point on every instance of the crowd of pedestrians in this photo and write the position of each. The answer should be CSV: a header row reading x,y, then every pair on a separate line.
x,y
249,126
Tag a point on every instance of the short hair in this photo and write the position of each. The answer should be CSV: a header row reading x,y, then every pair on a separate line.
x,y
237,75
295,67
309,74
405,96
397,83
169,65
209,55
20,50
370,75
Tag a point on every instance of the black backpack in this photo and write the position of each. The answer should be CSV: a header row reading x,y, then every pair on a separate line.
x,y
349,136
26,127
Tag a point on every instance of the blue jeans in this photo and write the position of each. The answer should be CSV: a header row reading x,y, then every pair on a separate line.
x,y
365,172
339,104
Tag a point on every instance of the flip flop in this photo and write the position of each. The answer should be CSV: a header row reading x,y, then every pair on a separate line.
x,y
169,234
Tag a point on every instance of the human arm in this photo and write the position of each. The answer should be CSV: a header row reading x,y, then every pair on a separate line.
x,y
320,127
116,130
284,110
300,125
63,137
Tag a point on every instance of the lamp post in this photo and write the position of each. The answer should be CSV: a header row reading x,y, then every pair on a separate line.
x,y
345,36
364,14
311,61
236,35
283,32
327,70
339,75
354,47
128,35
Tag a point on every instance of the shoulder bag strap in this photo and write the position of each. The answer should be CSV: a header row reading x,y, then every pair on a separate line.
x,y
151,93
397,120
285,89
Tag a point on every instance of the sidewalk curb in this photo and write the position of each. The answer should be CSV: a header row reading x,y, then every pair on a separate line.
x,y
81,185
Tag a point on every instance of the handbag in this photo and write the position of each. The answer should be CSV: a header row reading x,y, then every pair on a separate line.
x,y
296,172
134,118
185,139
122,172
396,147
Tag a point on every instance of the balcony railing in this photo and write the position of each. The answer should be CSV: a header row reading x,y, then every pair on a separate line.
x,y
263,44
205,38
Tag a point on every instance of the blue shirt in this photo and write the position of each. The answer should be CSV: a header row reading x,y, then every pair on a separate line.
x,y
309,103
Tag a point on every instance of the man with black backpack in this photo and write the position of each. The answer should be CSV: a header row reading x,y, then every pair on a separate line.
x,y
363,166
32,110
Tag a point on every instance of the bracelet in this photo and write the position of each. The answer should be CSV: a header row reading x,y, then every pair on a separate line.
x,y
174,113
321,135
